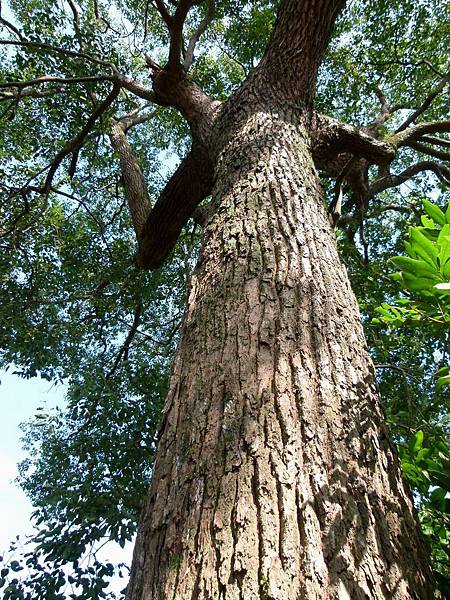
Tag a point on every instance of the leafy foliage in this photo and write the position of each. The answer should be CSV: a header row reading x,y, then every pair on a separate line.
x,y
424,451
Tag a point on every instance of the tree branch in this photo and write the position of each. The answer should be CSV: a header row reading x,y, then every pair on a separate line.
x,y
188,186
189,54
428,139
123,352
59,50
426,103
161,7
133,180
386,111
52,79
12,28
31,93
333,138
76,142
292,57
412,134
176,33
134,118
136,88
391,181
405,63
430,151
386,207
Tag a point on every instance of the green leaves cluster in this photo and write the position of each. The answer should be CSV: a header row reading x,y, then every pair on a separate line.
x,y
423,444
426,269
425,273
426,466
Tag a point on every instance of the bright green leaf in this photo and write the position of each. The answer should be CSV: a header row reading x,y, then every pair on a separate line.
x,y
434,212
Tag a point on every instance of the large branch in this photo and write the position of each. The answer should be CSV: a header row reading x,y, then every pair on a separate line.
x,y
333,138
133,180
188,186
412,134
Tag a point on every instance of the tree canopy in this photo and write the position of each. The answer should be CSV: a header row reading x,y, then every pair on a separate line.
x,y
75,83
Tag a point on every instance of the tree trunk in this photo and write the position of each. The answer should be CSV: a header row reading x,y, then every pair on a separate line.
x,y
274,477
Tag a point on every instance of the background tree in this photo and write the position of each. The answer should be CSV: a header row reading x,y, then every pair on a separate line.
x,y
77,228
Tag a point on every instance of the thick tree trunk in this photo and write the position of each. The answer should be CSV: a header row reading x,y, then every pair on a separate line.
x,y
274,477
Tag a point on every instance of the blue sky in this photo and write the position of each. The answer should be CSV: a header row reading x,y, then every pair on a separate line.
x,y
19,399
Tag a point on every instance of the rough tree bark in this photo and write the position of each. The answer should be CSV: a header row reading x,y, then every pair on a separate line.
x,y
274,476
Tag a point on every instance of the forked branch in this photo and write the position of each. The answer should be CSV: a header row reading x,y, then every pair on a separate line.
x,y
175,23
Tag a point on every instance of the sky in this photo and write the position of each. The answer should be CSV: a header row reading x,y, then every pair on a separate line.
x,y
19,399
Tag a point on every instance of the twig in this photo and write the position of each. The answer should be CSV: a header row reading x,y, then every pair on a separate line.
x,y
394,368
123,352
51,79
58,49
406,63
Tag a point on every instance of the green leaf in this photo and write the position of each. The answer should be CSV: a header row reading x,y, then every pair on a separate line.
x,y
443,287
416,442
414,265
426,222
444,246
447,213
442,381
419,283
434,212
441,479
423,246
